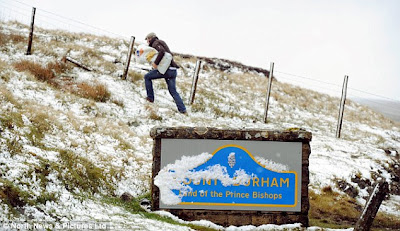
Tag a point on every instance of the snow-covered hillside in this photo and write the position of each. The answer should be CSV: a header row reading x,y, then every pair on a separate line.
x,y
68,156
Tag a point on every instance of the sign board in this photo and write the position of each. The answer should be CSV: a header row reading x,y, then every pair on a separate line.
x,y
270,174
232,177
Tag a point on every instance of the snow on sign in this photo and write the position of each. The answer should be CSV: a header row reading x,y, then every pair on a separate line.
x,y
230,175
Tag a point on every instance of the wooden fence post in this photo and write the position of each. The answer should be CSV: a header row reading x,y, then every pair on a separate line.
x,y
271,71
28,52
128,58
76,63
342,103
372,206
194,81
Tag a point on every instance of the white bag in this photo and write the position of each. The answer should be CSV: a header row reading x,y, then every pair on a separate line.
x,y
164,63
145,54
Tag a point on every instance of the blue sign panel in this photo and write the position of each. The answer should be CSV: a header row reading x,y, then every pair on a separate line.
x,y
251,184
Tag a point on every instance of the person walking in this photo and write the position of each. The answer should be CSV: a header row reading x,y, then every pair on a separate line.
x,y
169,75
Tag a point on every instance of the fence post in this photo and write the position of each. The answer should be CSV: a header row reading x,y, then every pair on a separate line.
x,y
128,58
372,206
28,52
194,81
341,110
271,71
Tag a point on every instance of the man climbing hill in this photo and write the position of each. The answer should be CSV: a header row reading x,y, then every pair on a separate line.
x,y
169,75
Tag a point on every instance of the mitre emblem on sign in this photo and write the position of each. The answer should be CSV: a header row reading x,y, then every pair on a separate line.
x,y
231,159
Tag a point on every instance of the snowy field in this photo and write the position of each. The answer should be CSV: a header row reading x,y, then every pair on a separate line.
x,y
44,127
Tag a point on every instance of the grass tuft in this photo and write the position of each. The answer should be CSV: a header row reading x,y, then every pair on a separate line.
x,y
83,174
12,195
45,74
3,39
41,73
98,92
153,113
135,76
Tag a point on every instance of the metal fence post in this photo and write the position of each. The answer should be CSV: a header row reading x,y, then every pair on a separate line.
x,y
128,58
28,51
271,71
341,109
194,82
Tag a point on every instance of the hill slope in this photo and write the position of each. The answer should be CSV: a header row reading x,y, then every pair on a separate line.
x,y
387,107
73,141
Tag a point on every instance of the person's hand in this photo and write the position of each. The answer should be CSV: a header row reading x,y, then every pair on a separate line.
x,y
154,66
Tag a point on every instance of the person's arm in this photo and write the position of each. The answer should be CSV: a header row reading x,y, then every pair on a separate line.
x,y
161,52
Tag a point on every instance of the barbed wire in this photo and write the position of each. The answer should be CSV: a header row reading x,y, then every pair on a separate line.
x,y
86,25
16,6
311,86
303,77
333,84
20,11
379,104
372,94
338,91
42,15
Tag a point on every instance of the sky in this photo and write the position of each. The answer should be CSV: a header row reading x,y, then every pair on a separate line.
x,y
313,43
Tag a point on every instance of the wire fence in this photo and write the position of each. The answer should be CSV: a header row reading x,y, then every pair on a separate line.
x,y
310,83
14,10
18,11
384,103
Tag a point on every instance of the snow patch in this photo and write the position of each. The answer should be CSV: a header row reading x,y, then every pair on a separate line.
x,y
173,177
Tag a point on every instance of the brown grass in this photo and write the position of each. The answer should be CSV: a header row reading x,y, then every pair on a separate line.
x,y
109,66
332,210
3,66
135,76
3,39
58,67
98,92
331,207
14,38
40,72
153,113
6,95
45,74
11,194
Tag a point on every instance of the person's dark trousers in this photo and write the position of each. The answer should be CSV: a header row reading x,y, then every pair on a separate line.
x,y
170,79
